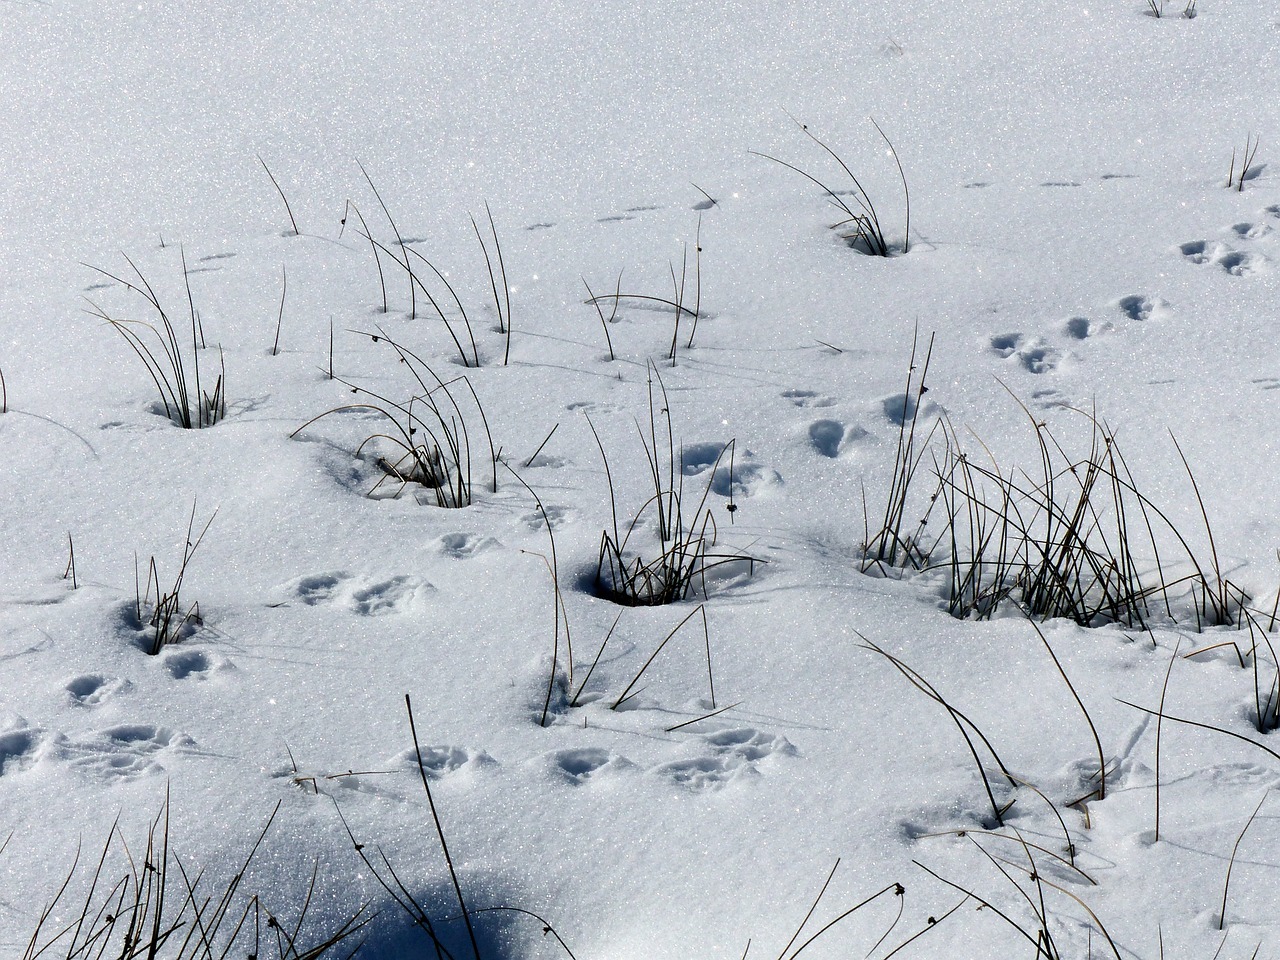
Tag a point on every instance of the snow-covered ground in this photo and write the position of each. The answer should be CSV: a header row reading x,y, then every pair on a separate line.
x,y
1073,247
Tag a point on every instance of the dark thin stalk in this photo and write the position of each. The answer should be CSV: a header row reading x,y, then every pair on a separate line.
x,y
1164,688
599,653
276,184
71,563
895,888
679,302
697,282
331,348
1102,762
373,247
906,230
1222,917
1203,726
413,296
706,637
528,463
961,722
705,716
453,874
929,925
653,656
710,199
558,603
546,927
680,308
284,288
604,324
814,906
475,356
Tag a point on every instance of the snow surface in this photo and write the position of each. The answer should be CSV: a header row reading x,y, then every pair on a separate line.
x,y
1071,239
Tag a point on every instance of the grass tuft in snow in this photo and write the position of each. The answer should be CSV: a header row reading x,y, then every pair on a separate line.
x,y
159,611
679,546
1155,8
450,309
895,544
161,907
861,226
173,367
1247,170
678,301
1072,536
427,440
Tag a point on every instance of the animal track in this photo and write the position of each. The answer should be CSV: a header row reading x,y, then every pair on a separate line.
x,y
580,764
459,546
702,773
368,598
901,407
826,436
127,750
1238,263
1198,251
317,588
190,664
440,761
807,398
1137,307
1048,399
1251,231
830,437
1036,356
387,596
18,750
739,475
1080,328
590,406
92,689
732,753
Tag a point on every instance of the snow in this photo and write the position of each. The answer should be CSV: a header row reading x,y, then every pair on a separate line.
x,y
1072,247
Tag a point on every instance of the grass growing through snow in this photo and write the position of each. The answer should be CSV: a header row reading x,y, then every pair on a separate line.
x,y
426,440
664,552
450,309
1236,180
435,939
860,224
150,902
174,367
678,301
1072,536
160,612
895,544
